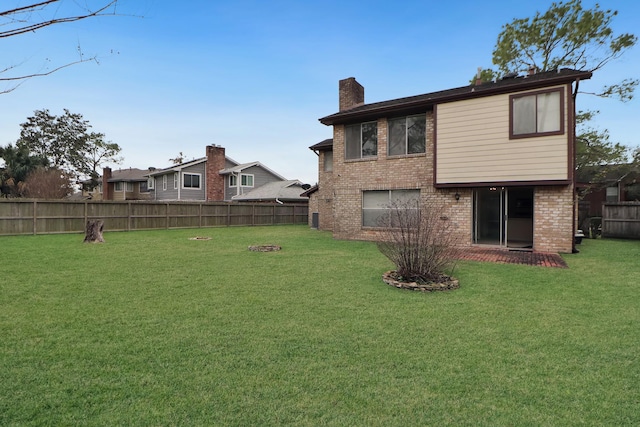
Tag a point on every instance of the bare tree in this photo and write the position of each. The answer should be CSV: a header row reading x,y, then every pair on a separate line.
x,y
34,16
419,239
48,183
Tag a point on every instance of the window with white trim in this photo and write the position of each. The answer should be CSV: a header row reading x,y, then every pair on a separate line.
x,y
536,114
361,140
233,180
407,135
175,180
191,180
118,186
128,187
377,205
246,180
151,183
164,182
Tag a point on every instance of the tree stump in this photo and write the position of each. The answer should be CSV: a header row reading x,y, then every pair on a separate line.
x,y
93,232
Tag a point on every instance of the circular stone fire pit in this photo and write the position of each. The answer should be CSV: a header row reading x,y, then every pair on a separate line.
x,y
265,248
391,278
199,238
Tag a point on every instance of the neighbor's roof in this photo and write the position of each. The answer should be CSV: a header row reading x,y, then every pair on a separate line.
x,y
414,104
286,191
325,145
240,168
176,168
129,175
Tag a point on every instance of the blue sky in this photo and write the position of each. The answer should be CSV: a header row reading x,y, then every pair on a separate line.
x,y
255,76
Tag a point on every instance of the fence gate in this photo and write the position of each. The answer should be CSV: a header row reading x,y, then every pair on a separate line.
x,y
621,220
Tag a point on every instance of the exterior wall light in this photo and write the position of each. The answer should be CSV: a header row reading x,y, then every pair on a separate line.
x,y
457,196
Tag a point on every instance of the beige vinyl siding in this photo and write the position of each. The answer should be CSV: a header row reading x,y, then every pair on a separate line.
x,y
473,145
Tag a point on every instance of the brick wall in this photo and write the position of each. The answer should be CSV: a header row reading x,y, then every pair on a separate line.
x,y
553,219
351,177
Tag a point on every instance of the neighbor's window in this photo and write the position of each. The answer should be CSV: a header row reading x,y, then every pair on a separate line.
x,y
328,161
407,135
191,180
376,205
537,114
233,180
164,182
361,140
612,194
175,181
151,183
128,187
117,186
246,180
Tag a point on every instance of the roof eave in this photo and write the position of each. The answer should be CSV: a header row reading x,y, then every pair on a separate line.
x,y
424,104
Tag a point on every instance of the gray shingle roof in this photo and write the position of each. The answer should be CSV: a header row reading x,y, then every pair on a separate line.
x,y
285,191
128,175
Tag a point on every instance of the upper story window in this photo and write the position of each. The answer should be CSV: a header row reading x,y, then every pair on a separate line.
x,y
536,114
175,181
191,180
361,140
128,187
118,186
328,161
151,183
407,135
164,182
245,180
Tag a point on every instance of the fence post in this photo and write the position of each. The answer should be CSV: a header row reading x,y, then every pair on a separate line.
x,y
35,217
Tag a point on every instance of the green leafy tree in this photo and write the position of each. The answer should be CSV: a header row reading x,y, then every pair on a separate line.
x,y
566,35
67,142
569,36
18,164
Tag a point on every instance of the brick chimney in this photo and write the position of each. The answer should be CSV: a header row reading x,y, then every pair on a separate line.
x,y
107,192
351,93
215,182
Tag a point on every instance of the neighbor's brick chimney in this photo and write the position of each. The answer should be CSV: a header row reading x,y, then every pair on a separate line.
x,y
351,93
107,192
215,182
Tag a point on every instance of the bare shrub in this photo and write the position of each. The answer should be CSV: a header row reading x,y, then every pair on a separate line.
x,y
419,239
46,183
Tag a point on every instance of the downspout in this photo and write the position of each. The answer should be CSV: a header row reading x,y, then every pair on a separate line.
x,y
573,171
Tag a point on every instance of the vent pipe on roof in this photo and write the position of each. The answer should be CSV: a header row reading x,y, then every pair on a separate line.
x,y
478,76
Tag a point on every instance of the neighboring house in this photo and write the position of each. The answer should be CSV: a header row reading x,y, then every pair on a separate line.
x,y
122,184
214,177
607,184
498,157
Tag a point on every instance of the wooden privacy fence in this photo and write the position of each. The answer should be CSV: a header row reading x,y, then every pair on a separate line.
x,y
621,220
55,216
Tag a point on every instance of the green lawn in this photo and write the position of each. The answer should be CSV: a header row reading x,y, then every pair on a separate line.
x,y
151,328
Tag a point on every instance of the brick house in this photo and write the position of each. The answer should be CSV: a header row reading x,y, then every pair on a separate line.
x,y
122,184
498,157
